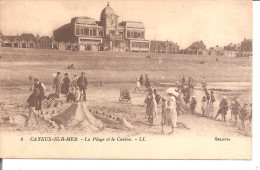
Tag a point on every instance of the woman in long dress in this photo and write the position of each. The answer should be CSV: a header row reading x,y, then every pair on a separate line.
x,y
151,108
171,111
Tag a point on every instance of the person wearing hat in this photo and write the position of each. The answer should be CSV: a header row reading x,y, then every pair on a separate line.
x,y
41,87
208,96
32,104
223,108
57,83
171,111
183,79
244,114
82,84
193,104
151,107
75,80
235,110
66,84
147,83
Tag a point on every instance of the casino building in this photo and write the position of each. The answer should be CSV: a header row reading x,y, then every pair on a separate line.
x,y
108,34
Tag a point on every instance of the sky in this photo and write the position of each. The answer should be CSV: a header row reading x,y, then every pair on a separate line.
x,y
216,22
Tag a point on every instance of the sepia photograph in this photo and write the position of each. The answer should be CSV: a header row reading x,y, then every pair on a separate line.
x,y
125,79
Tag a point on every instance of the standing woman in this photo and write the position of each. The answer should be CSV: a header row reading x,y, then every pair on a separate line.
x,y
66,84
151,108
171,111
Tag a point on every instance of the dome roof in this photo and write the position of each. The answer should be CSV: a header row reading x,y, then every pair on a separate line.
x,y
108,10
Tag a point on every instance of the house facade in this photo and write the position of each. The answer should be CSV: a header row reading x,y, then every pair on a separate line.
x,y
107,34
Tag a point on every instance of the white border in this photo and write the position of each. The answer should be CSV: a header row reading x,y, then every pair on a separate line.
x,y
28,164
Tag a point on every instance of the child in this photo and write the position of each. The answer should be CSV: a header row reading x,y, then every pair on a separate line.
x,y
235,109
212,98
32,103
164,107
244,113
193,104
77,94
71,95
203,105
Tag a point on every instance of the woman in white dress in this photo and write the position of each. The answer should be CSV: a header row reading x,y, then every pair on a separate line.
x,y
171,111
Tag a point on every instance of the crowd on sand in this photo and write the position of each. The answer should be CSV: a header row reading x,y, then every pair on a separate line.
x,y
179,99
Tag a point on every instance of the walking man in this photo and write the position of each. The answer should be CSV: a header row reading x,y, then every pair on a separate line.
x,y
39,86
57,83
82,84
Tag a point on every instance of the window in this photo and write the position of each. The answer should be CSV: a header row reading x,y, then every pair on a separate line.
x,y
131,35
77,31
101,33
138,34
128,34
94,32
86,31
81,31
91,32
135,34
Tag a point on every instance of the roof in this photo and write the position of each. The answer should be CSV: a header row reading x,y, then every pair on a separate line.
x,y
83,20
132,24
197,44
11,38
107,10
27,37
45,37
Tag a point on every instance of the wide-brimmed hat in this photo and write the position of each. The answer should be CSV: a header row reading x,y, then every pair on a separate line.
x,y
193,97
58,72
66,74
82,73
173,91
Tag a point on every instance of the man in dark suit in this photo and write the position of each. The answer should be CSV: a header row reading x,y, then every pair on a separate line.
x,y
82,84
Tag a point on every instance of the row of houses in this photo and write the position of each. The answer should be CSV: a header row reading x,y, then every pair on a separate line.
x,y
196,48
31,41
233,50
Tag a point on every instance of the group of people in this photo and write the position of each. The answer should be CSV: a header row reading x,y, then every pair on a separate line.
x,y
142,81
171,105
74,90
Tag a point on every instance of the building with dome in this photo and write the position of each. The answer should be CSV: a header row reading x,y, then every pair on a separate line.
x,y
107,34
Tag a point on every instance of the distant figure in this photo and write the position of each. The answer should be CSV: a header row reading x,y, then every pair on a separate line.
x,y
138,86
72,66
57,82
244,113
235,110
151,107
66,84
141,79
193,104
146,77
53,81
223,108
31,82
208,96
178,85
204,105
204,83
32,103
82,84
41,87
212,99
147,83
164,115
157,96
183,79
